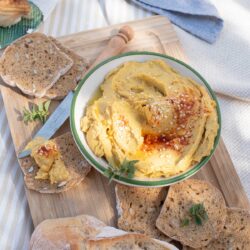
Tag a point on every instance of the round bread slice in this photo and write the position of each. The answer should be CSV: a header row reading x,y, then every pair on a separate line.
x,y
74,162
33,63
68,81
138,209
64,233
236,232
181,197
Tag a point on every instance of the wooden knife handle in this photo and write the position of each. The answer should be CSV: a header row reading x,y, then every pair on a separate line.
x,y
115,45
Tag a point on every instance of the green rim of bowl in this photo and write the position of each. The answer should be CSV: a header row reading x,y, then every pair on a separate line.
x,y
169,180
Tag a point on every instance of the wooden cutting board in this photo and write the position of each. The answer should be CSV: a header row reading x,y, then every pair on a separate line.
x,y
94,196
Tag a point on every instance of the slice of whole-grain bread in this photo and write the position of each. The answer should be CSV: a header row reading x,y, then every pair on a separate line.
x,y
68,81
181,197
138,209
33,63
131,241
237,223
64,233
74,162
236,232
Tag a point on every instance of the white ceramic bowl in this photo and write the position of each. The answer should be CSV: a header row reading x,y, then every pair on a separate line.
x,y
89,85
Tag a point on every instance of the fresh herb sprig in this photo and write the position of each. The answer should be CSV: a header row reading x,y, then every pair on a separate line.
x,y
198,213
184,222
37,112
127,168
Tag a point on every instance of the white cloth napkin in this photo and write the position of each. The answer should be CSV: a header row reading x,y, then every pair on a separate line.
x,y
225,64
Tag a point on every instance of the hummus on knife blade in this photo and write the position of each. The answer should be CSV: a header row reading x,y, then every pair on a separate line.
x,y
148,112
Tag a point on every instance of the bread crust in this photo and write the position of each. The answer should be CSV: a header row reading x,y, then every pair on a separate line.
x,y
130,241
85,232
64,233
14,7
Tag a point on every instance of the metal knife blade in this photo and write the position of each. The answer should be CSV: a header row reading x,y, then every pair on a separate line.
x,y
55,121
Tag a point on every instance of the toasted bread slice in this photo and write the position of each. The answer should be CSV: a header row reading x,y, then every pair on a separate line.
x,y
68,81
14,7
55,234
11,11
236,232
127,241
138,209
181,197
33,63
74,162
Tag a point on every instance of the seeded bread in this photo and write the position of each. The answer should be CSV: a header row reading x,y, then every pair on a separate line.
x,y
138,209
181,197
236,232
76,165
68,81
33,63
63,233
238,223
127,241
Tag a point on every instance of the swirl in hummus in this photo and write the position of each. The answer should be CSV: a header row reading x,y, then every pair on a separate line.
x,y
149,112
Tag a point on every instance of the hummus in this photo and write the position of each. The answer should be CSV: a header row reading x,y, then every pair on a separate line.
x,y
48,159
148,112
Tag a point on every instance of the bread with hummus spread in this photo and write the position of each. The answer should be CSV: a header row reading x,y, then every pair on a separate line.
x,y
55,165
194,213
88,233
33,63
148,112
138,209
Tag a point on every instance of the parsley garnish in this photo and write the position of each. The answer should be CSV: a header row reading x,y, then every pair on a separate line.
x,y
126,168
198,213
37,112
184,222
